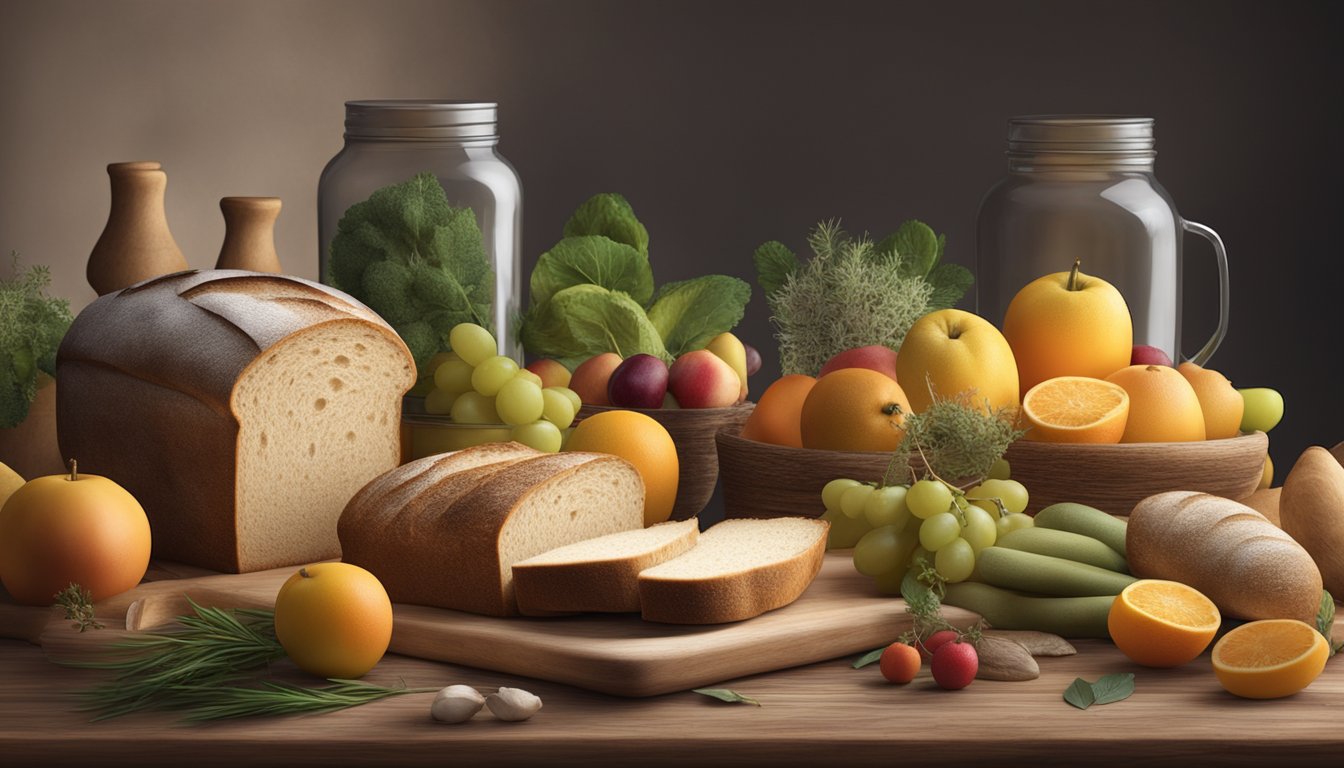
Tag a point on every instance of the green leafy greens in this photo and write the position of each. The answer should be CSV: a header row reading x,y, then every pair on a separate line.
x,y
1107,690
854,292
415,260
593,292
32,325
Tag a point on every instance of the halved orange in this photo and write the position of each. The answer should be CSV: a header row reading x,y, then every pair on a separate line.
x,y
1269,659
1076,409
1161,623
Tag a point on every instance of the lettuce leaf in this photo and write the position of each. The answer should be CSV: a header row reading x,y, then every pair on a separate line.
x,y
775,263
687,314
586,320
610,215
592,259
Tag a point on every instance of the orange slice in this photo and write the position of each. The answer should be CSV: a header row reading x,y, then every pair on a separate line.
x,y
1162,623
1076,409
1269,659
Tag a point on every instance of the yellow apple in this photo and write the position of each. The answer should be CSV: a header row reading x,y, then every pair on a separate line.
x,y
732,351
1068,324
954,351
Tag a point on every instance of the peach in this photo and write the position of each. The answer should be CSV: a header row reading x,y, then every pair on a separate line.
x,y
701,379
591,377
552,372
874,357
733,352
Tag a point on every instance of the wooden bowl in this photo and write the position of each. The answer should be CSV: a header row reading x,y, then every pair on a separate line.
x,y
1114,478
763,480
692,429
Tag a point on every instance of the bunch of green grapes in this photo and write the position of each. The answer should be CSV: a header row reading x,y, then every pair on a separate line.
x,y
473,385
892,526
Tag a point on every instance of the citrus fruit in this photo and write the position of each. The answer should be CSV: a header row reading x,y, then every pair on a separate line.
x,y
1076,409
777,417
1163,407
1068,324
1269,659
854,409
1220,402
642,441
334,620
1162,623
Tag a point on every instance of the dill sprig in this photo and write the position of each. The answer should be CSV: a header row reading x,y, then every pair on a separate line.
x,y
955,440
204,702
77,603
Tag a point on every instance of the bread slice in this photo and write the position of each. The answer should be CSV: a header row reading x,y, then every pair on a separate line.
x,y
600,574
241,409
452,542
737,570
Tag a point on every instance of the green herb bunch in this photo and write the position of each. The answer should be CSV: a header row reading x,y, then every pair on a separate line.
x,y
956,440
854,292
417,261
593,292
32,325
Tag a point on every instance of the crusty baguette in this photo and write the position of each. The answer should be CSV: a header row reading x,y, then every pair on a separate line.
x,y
1312,511
451,543
738,569
1249,568
241,409
601,574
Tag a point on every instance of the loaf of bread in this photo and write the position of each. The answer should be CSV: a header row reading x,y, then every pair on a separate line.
x,y
242,410
1311,510
738,569
446,531
1243,563
599,575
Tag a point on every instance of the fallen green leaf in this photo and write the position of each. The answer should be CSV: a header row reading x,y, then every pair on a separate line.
x,y
724,694
868,658
1107,690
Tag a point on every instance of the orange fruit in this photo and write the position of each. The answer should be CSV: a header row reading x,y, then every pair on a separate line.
x,y
1269,659
642,441
777,417
1220,402
1162,623
854,409
1163,407
1076,409
1068,325
333,620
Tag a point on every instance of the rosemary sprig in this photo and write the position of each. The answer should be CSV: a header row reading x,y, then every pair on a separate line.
x,y
78,605
211,702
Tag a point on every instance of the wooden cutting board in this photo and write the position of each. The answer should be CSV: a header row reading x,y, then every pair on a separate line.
x,y
839,614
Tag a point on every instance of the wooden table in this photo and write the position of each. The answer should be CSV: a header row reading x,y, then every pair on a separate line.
x,y
823,714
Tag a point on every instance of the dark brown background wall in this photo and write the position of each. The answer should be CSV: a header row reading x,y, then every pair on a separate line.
x,y
725,123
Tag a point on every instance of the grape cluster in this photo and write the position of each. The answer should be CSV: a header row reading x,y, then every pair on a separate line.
x,y
473,385
892,526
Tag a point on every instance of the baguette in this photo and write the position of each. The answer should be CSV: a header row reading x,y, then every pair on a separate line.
x,y
738,569
1249,568
1311,510
601,574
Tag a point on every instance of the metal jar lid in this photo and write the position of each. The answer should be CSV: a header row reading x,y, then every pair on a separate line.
x,y
1103,139
427,119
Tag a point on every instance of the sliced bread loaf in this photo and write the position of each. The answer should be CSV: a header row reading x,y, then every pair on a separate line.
x,y
738,569
452,542
600,574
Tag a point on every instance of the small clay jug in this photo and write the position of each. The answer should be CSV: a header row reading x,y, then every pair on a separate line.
x,y
136,244
249,234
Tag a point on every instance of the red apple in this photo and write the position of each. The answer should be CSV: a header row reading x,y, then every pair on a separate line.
x,y
753,359
640,381
701,379
874,357
1146,355
552,373
590,378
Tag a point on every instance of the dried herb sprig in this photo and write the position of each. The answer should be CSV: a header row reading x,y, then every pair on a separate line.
x,y
956,440
77,603
204,702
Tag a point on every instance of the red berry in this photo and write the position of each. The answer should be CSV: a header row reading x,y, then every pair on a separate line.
x,y
935,641
954,665
899,663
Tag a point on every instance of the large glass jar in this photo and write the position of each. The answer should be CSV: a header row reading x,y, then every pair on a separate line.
x,y
1083,188
389,142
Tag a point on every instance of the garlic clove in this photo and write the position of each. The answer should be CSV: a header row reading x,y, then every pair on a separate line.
x,y
513,704
456,704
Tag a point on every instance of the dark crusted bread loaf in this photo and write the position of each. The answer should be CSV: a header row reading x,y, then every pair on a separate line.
x,y
446,533
242,410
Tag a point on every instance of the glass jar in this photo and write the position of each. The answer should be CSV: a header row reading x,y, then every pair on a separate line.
x,y
1083,188
389,142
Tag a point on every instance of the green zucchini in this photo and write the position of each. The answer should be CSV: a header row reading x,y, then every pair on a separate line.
x,y
1046,575
1002,609
1065,544
1085,520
